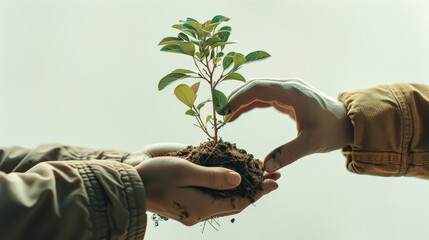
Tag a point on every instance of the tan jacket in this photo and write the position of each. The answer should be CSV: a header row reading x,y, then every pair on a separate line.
x,y
64,192
391,130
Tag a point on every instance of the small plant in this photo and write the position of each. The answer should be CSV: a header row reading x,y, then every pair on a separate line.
x,y
205,44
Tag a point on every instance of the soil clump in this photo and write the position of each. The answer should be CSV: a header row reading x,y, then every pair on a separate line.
x,y
227,155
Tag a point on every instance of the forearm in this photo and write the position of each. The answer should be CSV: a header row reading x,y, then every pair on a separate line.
x,y
391,130
18,159
73,200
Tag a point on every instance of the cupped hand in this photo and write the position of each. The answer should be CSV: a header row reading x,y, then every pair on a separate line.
x,y
172,183
322,122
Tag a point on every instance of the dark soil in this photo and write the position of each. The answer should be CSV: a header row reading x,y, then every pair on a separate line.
x,y
227,155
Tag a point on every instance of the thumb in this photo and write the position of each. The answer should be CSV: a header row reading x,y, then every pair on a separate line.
x,y
212,177
287,153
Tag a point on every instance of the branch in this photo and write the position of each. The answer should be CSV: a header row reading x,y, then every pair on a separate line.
x,y
200,73
223,76
200,122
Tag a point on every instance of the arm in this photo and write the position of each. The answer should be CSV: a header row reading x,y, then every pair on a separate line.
x,y
383,130
391,129
73,200
18,159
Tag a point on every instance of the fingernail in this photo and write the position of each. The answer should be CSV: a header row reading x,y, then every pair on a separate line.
x,y
233,178
271,165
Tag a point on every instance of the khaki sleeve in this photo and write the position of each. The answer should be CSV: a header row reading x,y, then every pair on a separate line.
x,y
72,200
391,130
18,159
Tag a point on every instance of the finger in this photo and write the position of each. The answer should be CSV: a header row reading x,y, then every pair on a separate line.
x,y
287,153
161,149
283,92
243,109
210,177
258,104
229,206
274,175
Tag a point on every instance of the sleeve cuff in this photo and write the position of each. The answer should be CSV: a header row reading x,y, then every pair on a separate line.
x,y
381,122
116,199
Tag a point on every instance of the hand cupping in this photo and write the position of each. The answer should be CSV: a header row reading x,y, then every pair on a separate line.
x,y
172,186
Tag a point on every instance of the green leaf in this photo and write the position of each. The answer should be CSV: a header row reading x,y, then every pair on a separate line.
x,y
185,94
222,44
207,53
220,101
235,76
195,88
170,40
208,118
198,126
174,76
206,33
257,56
206,23
196,42
175,48
203,103
219,54
239,59
177,26
191,20
209,28
191,112
183,37
216,60
198,55
219,18
212,40
196,26
224,33
187,48
184,71
228,60
189,28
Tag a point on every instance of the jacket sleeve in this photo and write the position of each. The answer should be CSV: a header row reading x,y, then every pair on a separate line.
x,y
391,130
18,159
64,199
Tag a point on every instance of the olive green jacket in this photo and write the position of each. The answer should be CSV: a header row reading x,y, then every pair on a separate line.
x,y
63,192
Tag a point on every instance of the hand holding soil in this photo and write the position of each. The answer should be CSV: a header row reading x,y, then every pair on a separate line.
x,y
174,186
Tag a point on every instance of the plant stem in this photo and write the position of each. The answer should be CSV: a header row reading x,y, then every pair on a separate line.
x,y
200,122
214,111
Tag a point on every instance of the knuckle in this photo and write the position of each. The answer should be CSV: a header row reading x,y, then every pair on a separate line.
x,y
255,84
284,155
211,181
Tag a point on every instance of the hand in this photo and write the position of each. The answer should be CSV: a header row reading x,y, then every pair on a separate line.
x,y
171,182
322,122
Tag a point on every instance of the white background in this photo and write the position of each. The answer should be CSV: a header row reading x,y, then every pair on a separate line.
x,y
86,73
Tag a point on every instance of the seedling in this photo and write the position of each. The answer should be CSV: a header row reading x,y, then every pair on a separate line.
x,y
205,43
